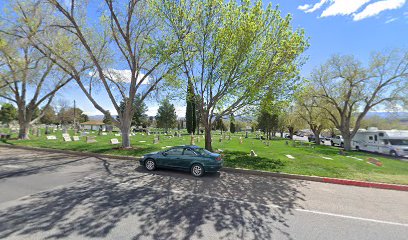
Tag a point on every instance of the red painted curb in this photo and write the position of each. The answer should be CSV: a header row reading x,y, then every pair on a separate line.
x,y
366,184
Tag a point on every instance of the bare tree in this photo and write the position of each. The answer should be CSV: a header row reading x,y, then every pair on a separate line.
x,y
349,90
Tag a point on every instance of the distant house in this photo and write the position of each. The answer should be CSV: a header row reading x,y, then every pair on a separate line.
x,y
95,125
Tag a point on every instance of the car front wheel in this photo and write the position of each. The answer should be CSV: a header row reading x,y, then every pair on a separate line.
x,y
150,164
394,153
197,170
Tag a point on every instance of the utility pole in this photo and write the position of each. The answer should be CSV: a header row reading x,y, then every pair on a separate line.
x,y
74,114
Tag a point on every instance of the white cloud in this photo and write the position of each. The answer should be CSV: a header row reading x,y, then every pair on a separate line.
x,y
377,7
310,8
391,20
304,7
343,7
352,7
122,76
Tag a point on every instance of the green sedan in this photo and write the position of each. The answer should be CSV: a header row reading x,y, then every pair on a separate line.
x,y
188,158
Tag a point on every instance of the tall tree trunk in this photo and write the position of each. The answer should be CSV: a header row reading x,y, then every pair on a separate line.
x,y
291,131
125,129
347,140
317,136
208,144
24,130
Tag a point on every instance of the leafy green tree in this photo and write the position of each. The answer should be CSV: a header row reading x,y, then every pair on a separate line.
x,y
29,72
8,113
191,118
107,118
232,123
128,31
349,90
232,53
67,115
49,116
309,108
166,115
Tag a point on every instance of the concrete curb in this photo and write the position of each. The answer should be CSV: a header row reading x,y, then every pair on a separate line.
x,y
235,170
85,154
319,179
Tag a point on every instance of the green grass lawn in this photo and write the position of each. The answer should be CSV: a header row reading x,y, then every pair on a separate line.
x,y
308,158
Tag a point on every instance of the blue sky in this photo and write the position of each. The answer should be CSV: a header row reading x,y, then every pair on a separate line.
x,y
356,27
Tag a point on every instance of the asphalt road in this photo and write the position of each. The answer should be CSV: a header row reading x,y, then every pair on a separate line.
x,y
54,196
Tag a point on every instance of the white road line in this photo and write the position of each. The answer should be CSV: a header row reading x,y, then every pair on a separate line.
x,y
351,217
279,207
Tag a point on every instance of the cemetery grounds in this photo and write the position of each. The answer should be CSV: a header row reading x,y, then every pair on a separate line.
x,y
278,155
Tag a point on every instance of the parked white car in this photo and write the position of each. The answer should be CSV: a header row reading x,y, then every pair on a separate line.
x,y
337,140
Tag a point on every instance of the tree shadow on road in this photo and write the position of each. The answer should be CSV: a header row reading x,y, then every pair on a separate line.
x,y
163,205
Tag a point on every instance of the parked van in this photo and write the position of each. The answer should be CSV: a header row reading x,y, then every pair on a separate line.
x,y
391,142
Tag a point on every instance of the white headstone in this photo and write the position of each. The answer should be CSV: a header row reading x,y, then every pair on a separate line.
x,y
117,135
67,138
104,134
114,141
76,138
51,137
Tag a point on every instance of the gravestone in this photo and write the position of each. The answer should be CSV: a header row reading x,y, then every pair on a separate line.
x,y
90,139
51,137
117,134
47,130
104,134
114,141
75,138
253,154
220,140
155,141
240,140
246,134
64,130
38,132
67,138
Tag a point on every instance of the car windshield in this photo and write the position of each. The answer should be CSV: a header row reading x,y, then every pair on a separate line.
x,y
202,151
399,142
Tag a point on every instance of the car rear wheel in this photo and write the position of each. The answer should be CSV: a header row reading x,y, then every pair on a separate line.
x,y
197,170
150,164
393,153
332,143
342,145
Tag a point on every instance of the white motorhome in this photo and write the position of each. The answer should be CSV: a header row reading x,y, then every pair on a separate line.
x,y
391,142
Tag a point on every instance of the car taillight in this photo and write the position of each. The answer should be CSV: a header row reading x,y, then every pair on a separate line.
x,y
218,158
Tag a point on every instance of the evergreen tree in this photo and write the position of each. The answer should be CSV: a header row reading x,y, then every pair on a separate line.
x,y
107,119
191,119
232,124
8,113
166,115
140,117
